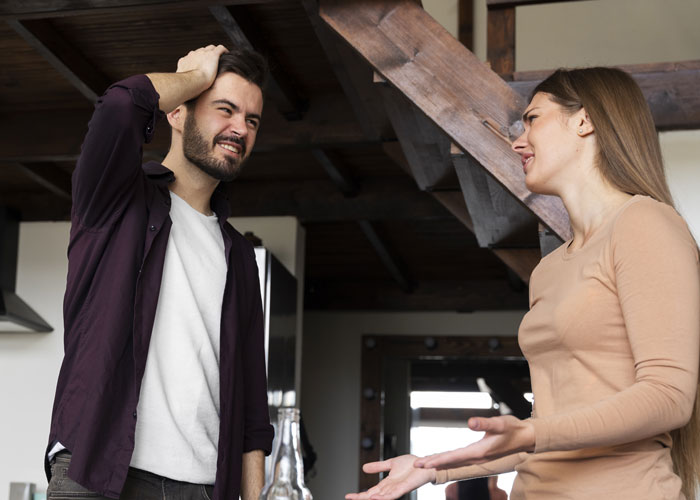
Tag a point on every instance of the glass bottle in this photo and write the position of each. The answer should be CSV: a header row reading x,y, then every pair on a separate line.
x,y
286,481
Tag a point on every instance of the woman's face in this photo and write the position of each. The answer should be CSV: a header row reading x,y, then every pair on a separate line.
x,y
550,146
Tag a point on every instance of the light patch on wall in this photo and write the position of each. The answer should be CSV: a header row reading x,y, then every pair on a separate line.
x,y
435,399
606,33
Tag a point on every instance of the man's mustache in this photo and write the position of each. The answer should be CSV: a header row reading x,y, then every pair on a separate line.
x,y
232,138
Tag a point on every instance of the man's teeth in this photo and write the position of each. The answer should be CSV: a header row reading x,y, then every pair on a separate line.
x,y
230,147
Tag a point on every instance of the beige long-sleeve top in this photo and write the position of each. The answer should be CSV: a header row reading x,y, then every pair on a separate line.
x,y
612,340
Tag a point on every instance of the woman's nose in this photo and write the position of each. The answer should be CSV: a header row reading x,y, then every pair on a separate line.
x,y
520,143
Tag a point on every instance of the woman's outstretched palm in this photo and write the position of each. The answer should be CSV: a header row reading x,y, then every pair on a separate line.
x,y
403,477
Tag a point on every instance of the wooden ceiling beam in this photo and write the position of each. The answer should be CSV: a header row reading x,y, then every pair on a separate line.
x,y
387,255
337,173
462,296
324,126
48,176
242,30
64,58
319,200
467,100
44,9
671,90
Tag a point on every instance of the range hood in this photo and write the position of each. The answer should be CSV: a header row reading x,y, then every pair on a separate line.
x,y
15,314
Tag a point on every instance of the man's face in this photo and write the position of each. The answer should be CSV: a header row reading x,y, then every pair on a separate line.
x,y
221,127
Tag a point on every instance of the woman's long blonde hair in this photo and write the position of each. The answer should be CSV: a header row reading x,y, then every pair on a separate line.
x,y
629,157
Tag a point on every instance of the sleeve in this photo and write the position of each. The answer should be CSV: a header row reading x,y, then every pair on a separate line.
x,y
258,433
498,466
655,264
110,157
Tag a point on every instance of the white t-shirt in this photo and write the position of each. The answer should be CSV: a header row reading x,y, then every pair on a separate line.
x,y
177,429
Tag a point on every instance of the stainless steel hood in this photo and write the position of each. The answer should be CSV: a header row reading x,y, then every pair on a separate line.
x,y
15,314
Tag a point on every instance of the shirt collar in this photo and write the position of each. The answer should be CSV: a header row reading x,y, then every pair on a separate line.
x,y
160,174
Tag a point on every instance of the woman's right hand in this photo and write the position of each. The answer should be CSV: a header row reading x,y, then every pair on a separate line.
x,y
403,477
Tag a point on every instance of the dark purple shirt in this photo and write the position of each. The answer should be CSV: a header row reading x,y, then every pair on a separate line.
x,y
119,232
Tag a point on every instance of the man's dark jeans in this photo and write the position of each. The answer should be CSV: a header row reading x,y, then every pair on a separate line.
x,y
140,485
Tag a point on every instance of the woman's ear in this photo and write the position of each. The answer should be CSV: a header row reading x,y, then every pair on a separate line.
x,y
176,118
583,123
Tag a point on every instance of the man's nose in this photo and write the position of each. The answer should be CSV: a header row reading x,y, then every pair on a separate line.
x,y
238,125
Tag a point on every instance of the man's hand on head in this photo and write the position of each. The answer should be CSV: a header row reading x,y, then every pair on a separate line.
x,y
204,61
195,73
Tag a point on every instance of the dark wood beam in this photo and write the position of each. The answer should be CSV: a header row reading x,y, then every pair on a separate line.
x,y
48,176
337,173
387,255
500,39
354,76
466,23
243,31
64,58
37,207
671,90
426,147
506,4
394,198
520,260
462,296
468,101
43,9
499,219
327,124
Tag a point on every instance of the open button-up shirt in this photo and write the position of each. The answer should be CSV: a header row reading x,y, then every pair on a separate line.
x,y
119,232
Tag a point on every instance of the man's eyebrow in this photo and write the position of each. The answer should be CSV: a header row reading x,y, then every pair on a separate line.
x,y
236,108
227,102
527,113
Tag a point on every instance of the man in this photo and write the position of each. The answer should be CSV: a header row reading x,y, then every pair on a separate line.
x,y
162,391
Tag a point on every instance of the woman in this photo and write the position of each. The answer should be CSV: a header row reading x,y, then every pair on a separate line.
x,y
612,335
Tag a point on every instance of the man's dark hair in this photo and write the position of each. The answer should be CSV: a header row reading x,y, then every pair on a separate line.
x,y
247,63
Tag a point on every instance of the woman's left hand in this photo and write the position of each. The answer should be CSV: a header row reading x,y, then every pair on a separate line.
x,y
504,435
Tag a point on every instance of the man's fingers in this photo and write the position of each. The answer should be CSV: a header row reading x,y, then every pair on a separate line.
x,y
374,467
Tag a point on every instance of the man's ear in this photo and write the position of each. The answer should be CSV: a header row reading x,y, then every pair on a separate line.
x,y
176,118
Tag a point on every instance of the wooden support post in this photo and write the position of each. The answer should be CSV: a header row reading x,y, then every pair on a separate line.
x,y
500,45
466,23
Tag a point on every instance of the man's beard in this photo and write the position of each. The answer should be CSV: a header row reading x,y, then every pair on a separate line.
x,y
197,151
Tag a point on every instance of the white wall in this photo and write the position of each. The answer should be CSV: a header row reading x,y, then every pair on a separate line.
x,y
29,362
331,379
